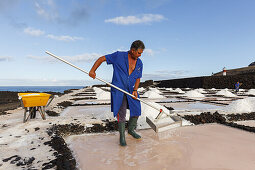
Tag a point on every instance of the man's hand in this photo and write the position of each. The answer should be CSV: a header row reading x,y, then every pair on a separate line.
x,y
92,74
135,94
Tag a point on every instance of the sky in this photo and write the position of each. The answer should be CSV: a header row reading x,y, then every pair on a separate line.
x,y
183,38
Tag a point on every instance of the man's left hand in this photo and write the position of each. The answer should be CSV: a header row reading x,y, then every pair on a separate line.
x,y
135,94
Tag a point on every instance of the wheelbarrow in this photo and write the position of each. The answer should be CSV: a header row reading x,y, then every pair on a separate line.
x,y
32,102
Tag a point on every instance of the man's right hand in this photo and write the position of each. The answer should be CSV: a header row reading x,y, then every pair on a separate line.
x,y
92,74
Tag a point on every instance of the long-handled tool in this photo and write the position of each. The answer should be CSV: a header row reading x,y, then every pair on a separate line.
x,y
158,125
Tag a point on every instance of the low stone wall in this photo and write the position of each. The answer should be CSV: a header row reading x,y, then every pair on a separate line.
x,y
220,82
193,82
207,82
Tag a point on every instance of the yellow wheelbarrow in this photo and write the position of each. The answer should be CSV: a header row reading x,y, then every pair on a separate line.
x,y
33,102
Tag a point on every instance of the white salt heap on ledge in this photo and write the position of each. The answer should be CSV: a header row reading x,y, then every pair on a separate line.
x,y
241,106
101,94
194,93
152,94
251,92
178,90
226,93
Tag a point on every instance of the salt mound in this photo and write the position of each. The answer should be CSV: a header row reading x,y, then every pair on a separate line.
x,y
106,88
141,89
152,94
226,93
155,90
200,90
178,90
101,94
194,93
169,89
251,92
241,106
150,112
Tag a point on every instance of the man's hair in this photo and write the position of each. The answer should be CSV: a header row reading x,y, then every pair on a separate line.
x,y
138,44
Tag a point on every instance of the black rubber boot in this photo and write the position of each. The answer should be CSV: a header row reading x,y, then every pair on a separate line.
x,y
122,133
131,127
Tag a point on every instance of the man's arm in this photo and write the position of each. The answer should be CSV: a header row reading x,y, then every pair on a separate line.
x,y
135,93
92,72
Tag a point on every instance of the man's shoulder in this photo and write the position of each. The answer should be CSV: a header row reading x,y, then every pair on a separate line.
x,y
139,61
122,52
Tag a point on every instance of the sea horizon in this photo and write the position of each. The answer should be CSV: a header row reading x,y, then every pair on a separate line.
x,y
60,89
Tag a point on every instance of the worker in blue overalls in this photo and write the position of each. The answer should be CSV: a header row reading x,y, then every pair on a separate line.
x,y
237,86
127,71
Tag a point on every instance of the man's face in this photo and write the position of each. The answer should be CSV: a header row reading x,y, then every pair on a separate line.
x,y
136,53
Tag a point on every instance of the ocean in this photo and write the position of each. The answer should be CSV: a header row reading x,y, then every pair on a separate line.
x,y
60,89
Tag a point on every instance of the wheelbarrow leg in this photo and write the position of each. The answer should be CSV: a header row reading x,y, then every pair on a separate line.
x,y
29,114
33,113
25,111
42,112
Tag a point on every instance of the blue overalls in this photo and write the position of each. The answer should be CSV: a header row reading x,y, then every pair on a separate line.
x,y
123,80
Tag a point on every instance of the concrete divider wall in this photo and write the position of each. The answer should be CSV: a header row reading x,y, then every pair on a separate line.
x,y
207,82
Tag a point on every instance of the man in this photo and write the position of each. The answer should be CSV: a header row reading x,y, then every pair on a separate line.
x,y
237,86
126,75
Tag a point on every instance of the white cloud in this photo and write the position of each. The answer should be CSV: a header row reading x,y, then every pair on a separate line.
x,y
86,57
33,32
148,52
37,32
46,82
5,58
50,10
50,14
64,37
166,74
142,19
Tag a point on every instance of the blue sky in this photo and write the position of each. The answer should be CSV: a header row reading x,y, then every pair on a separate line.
x,y
183,38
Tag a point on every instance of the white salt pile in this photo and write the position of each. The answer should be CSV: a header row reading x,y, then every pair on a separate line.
x,y
251,92
106,88
178,90
200,90
169,89
152,94
101,94
141,89
150,112
155,90
241,106
226,93
194,93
